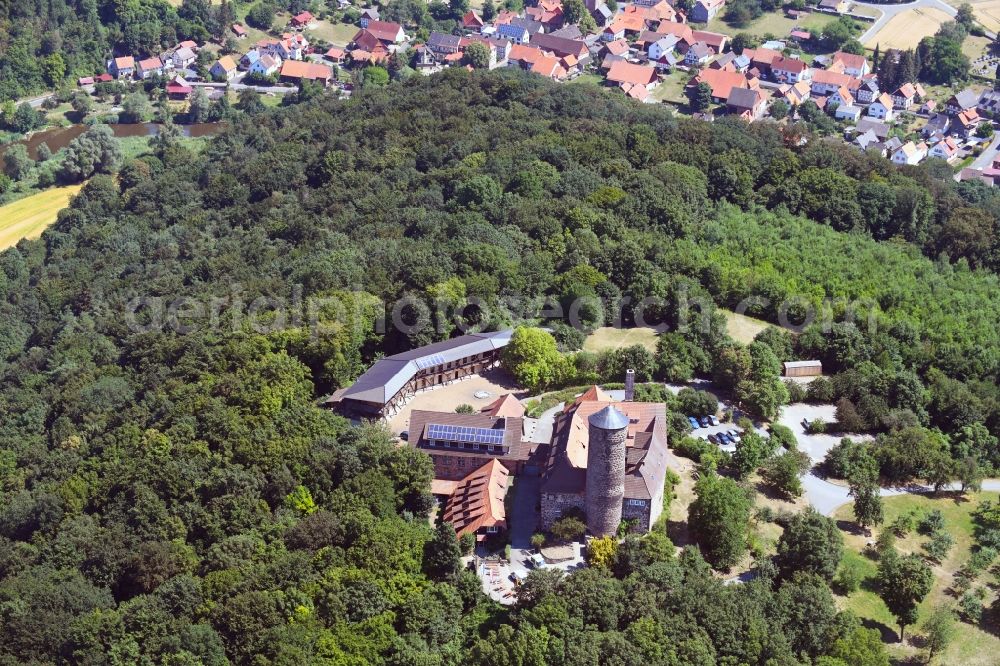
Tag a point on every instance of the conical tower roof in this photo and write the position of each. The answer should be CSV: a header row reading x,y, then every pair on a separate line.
x,y
608,418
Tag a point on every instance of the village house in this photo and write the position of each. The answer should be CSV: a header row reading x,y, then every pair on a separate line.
x,y
224,69
989,102
387,32
842,96
879,128
550,67
608,460
295,71
443,44
794,94
961,101
249,58
654,51
704,11
472,22
336,55
748,103
238,31
548,13
790,70
910,153
720,81
149,67
850,64
515,33
836,6
562,47
184,57
938,124
698,54
868,141
123,67
266,65
301,20
882,108
966,122
179,89
761,59
825,82
848,112
631,73
716,40
368,14
946,149
868,90
906,95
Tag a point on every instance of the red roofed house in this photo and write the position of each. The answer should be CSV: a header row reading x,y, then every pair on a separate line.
x,y
790,70
178,88
386,32
945,149
905,96
721,81
623,72
549,67
849,63
747,103
716,40
472,21
294,71
239,31
123,68
475,504
301,20
148,67
335,55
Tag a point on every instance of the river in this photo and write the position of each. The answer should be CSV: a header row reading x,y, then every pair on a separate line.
x,y
58,138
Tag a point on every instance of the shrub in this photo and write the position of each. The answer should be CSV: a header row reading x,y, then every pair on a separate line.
x,y
849,577
931,522
816,427
693,448
796,392
568,528
885,543
970,605
465,409
820,390
783,436
938,546
903,524
467,543
538,541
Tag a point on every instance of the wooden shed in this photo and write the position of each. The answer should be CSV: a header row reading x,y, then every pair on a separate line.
x,y
803,368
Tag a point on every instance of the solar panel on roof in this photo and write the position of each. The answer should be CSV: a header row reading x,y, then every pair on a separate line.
x,y
450,433
429,361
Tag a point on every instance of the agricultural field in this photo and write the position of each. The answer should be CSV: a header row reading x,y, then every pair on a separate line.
x,y
28,217
987,11
906,29
609,337
973,645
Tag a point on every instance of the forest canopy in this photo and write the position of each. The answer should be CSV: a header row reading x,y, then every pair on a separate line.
x,y
177,497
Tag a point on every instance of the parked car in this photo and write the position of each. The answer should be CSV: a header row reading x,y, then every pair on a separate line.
x,y
694,422
734,435
724,439
714,421
713,438
705,422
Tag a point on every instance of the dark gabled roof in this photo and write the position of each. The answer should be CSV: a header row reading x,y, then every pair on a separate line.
x,y
442,40
965,99
529,25
560,46
744,98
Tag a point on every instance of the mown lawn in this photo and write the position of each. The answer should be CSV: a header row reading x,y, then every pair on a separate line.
x,y
28,217
339,34
972,645
773,23
615,338
743,328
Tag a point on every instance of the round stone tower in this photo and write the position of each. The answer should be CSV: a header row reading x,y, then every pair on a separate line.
x,y
608,430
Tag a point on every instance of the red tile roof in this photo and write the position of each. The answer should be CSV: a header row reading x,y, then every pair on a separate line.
x,y
478,500
627,72
505,405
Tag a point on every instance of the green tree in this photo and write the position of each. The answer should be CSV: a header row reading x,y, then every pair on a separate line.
x,y
374,76
867,504
442,554
17,163
249,102
812,543
575,12
719,519
477,54
700,96
136,108
782,473
939,628
94,151
199,106
489,10
261,15
534,360
903,581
